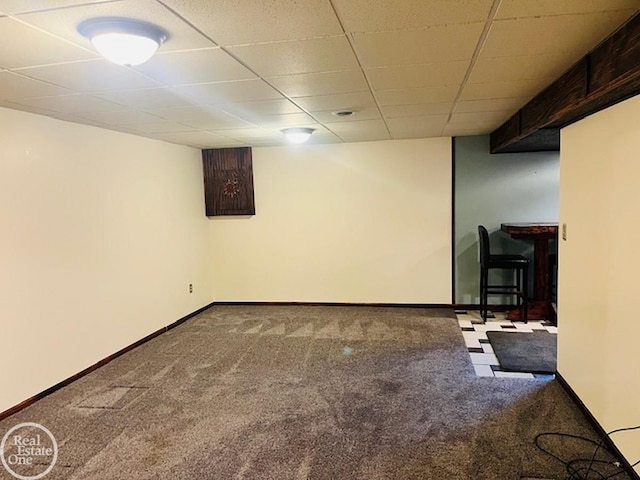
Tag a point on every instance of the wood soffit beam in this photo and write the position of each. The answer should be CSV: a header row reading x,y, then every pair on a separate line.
x,y
609,74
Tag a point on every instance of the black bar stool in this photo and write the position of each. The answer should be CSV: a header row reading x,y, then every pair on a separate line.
x,y
518,263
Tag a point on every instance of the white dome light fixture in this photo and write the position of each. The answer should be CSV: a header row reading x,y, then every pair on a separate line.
x,y
298,135
123,40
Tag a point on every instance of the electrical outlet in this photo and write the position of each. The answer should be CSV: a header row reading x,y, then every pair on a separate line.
x,y
191,288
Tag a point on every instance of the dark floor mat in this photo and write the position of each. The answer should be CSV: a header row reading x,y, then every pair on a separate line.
x,y
533,352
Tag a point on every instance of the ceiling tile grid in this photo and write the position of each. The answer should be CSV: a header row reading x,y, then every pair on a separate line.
x,y
235,73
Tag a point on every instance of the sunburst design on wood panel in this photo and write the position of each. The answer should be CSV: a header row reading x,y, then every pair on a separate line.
x,y
231,186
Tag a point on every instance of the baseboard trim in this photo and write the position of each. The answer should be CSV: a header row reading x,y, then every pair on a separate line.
x,y
607,442
30,401
339,304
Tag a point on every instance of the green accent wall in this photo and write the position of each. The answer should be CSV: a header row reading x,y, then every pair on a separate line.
x,y
494,189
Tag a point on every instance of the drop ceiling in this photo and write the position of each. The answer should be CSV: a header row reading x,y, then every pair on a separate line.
x,y
235,72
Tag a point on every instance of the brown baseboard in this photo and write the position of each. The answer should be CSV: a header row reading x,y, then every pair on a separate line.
x,y
606,441
342,304
95,366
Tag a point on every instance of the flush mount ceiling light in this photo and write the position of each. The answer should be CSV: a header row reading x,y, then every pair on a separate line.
x,y
298,135
123,40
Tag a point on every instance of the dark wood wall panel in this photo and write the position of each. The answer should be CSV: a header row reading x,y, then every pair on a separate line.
x,y
228,181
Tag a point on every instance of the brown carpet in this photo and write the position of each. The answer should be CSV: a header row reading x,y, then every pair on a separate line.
x,y
302,392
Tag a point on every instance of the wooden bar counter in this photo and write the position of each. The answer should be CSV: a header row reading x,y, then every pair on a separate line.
x,y
540,234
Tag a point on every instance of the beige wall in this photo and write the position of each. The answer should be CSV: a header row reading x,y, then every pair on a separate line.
x,y
363,222
599,264
101,233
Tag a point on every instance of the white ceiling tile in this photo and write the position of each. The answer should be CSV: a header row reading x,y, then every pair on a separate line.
x,y
21,6
368,16
360,131
496,118
303,56
575,34
280,121
90,76
494,104
416,76
230,22
417,95
194,66
365,136
70,117
64,22
417,110
75,103
274,142
263,107
511,69
415,71
221,93
163,126
466,130
417,127
342,101
120,117
489,125
35,47
324,83
250,135
147,98
322,137
25,108
120,128
489,90
430,45
539,8
360,114
485,127
201,117
14,86
198,139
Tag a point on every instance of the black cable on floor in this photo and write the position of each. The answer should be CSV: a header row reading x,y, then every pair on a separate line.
x,y
587,468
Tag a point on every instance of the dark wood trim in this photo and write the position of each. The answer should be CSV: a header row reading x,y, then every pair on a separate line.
x,y
607,442
338,304
607,75
453,220
95,366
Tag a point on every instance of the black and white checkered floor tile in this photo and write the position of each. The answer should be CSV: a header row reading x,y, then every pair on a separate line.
x,y
483,359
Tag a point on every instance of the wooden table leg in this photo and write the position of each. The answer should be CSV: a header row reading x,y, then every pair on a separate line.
x,y
541,269
539,306
541,234
538,310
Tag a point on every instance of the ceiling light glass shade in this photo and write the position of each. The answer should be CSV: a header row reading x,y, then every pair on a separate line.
x,y
122,40
298,135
